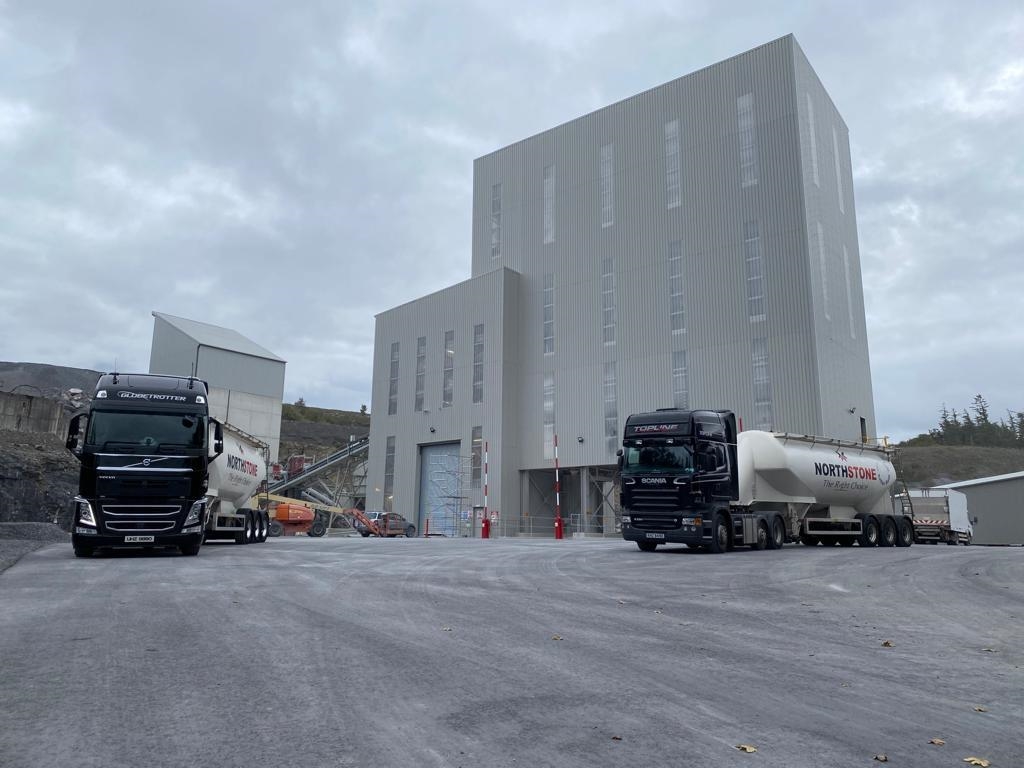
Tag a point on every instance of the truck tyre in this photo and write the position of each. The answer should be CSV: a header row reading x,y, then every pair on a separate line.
x,y
318,529
869,532
887,536
275,528
761,539
778,537
808,540
190,549
83,551
262,520
719,534
254,525
904,533
647,546
245,534
846,541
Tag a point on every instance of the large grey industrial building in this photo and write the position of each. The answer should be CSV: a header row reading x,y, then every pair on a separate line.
x,y
694,245
246,380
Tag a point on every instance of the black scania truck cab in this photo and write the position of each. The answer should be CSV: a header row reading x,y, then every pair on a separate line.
x,y
144,446
676,469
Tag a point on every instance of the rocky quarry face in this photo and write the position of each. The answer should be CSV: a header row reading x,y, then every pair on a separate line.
x,y
38,479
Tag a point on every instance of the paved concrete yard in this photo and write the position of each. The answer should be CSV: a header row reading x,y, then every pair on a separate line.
x,y
580,653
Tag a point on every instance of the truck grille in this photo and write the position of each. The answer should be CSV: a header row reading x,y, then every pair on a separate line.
x,y
140,518
162,486
654,498
655,522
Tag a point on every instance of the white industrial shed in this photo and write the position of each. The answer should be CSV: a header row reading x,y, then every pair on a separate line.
x,y
996,507
246,381
694,246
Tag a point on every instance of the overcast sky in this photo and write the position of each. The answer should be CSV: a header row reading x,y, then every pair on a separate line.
x,y
290,169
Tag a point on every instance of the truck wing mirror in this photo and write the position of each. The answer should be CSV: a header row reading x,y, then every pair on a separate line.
x,y
74,429
618,453
218,439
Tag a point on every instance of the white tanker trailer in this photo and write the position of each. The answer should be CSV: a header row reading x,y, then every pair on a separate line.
x,y
687,477
233,478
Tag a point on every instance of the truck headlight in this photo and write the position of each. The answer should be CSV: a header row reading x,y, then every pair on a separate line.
x,y
195,515
83,512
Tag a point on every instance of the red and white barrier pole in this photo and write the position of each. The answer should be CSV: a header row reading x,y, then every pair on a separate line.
x,y
558,496
485,524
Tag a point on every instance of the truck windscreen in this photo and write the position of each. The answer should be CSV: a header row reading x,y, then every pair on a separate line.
x,y
150,432
657,458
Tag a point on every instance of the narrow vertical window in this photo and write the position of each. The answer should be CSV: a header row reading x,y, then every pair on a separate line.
x,y
478,363
839,170
677,309
448,372
755,271
389,474
607,185
496,221
477,453
549,415
823,268
549,314
762,383
608,300
549,204
849,293
421,372
673,197
680,381
747,139
393,381
813,140
611,408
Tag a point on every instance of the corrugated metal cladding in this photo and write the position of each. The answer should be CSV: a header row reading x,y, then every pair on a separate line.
x,y
733,280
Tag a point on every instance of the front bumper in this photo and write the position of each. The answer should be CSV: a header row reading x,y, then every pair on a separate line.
x,y
97,540
672,529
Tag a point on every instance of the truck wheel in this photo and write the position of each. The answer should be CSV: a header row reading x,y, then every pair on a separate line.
x,y
846,541
647,546
869,533
318,529
245,534
254,525
887,537
719,534
275,528
904,533
808,540
264,522
761,539
83,551
190,549
778,537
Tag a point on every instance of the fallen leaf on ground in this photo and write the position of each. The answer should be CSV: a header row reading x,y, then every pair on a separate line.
x,y
938,742
556,637
746,748
887,644
881,758
657,611
989,650
446,629
978,761
616,738
980,709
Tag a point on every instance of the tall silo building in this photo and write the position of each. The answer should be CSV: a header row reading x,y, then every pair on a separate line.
x,y
694,245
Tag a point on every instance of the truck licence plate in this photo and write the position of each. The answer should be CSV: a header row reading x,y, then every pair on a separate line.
x,y
655,535
138,539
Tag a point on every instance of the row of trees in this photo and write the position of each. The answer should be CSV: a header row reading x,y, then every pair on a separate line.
x,y
974,426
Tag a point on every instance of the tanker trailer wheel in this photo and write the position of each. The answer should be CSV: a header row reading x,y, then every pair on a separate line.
x,y
904,533
761,539
719,534
647,546
869,532
275,528
245,534
808,540
262,519
887,537
778,537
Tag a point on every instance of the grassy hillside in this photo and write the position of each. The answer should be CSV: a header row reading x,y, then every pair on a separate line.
x,y
936,465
